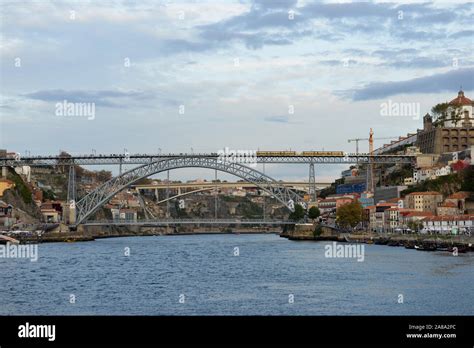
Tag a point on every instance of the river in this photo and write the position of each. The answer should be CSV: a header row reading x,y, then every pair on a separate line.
x,y
233,275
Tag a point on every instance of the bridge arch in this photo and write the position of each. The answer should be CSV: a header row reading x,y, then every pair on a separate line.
x,y
90,203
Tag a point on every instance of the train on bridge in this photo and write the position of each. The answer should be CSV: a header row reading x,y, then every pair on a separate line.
x,y
300,154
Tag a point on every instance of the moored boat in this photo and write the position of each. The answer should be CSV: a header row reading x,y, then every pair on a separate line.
x,y
425,247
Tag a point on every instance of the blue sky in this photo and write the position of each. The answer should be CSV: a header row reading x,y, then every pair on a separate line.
x,y
238,67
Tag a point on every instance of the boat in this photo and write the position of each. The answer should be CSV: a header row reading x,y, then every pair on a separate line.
x,y
381,241
461,249
425,247
409,245
6,239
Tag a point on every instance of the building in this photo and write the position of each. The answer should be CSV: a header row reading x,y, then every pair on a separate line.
x,y
454,133
391,219
124,214
6,214
366,200
52,211
460,224
350,188
327,205
459,200
377,216
447,208
423,173
25,171
386,193
408,218
395,145
423,201
5,184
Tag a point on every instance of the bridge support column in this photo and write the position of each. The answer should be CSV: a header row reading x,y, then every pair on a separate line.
x,y
263,193
217,192
71,184
312,183
70,217
167,194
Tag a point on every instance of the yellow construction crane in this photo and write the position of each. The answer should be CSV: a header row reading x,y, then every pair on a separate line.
x,y
370,169
366,139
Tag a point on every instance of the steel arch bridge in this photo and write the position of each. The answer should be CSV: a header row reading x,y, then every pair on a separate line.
x,y
90,203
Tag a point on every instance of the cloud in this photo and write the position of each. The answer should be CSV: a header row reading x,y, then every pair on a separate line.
x,y
462,33
437,83
421,62
278,119
100,98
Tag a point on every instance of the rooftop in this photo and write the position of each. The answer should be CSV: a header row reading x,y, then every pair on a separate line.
x,y
427,193
459,195
461,100
450,218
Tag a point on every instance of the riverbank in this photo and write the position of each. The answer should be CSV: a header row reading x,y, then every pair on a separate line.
x,y
409,241
92,233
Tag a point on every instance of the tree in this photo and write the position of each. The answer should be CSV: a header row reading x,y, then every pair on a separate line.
x,y
415,226
298,214
446,112
313,213
349,215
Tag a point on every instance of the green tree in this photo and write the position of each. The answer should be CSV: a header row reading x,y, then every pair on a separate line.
x,y
349,215
444,112
415,226
298,214
313,213
317,231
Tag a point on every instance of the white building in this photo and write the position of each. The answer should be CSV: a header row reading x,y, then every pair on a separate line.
x,y
463,107
454,224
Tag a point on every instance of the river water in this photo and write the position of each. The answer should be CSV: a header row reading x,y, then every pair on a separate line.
x,y
202,275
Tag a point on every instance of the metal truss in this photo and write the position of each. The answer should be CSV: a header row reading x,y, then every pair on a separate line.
x,y
121,159
86,206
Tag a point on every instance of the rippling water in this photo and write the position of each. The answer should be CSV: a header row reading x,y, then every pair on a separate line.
x,y
203,268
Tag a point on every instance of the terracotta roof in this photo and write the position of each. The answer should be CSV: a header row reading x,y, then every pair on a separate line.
x,y
427,193
386,204
461,100
418,213
7,181
448,205
393,200
459,195
450,218
327,200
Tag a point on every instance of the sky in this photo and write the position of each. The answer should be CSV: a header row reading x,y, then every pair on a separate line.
x,y
182,76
